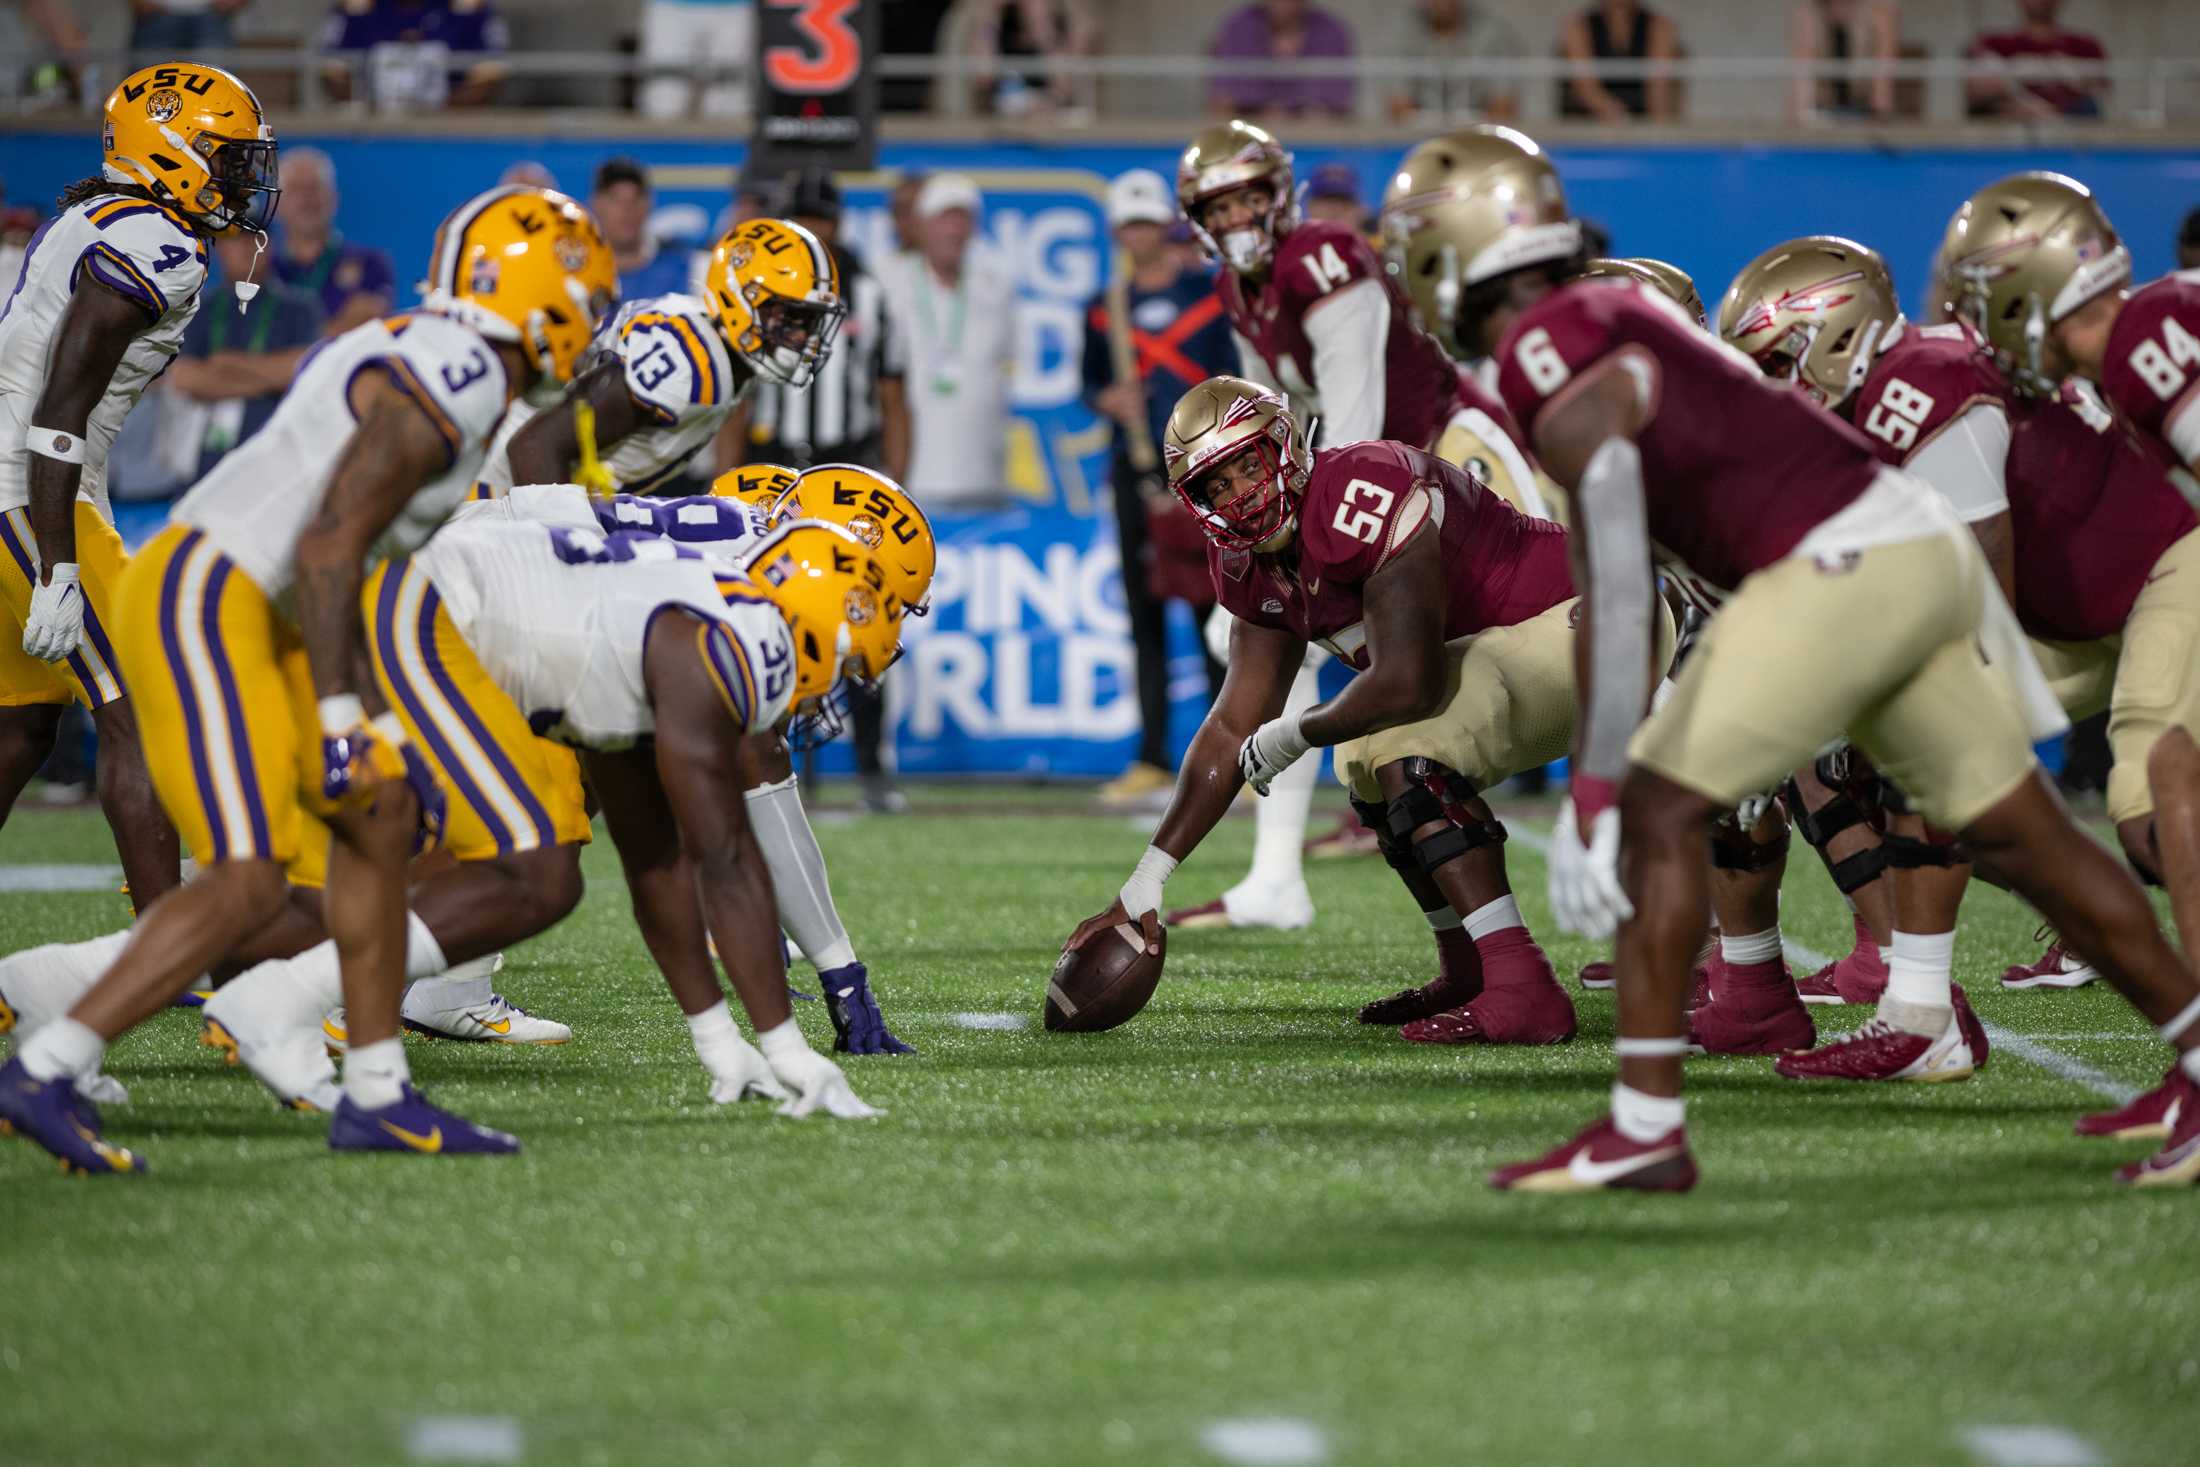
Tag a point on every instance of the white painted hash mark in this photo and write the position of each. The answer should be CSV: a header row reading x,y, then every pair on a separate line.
x,y
1266,1441
60,878
989,1021
464,1439
2029,1446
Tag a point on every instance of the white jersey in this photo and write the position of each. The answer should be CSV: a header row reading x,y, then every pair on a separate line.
x,y
558,618
725,529
680,376
255,503
131,245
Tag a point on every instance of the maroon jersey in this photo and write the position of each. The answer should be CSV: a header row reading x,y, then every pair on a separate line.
x,y
1311,261
1925,379
1363,503
1736,468
2151,373
2091,511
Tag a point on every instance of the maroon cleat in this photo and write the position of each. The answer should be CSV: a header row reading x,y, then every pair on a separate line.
x,y
1601,1159
1755,1011
1431,998
1351,837
1880,1051
2150,1117
1858,976
1974,1032
2058,967
2177,1164
1596,977
1520,1001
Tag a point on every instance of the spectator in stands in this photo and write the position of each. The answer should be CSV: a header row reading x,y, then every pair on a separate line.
x,y
1155,332
238,365
49,33
2041,37
1185,248
416,55
954,304
178,27
1281,30
2188,242
1453,31
528,173
1035,33
711,39
1861,33
854,413
1618,30
901,207
1333,193
351,282
621,200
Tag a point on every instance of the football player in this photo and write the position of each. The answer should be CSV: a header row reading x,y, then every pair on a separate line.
x,y
658,663
1316,318
107,287
242,638
1665,438
1456,609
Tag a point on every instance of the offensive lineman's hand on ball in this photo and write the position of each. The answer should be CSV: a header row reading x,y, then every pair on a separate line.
x,y
1149,923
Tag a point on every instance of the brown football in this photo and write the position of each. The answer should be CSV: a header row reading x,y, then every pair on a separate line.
x,y
1105,982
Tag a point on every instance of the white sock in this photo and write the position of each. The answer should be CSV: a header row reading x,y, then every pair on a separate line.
x,y
463,987
63,1047
1279,818
1645,1118
1444,919
1493,917
375,1074
1921,969
1754,947
797,866
716,1039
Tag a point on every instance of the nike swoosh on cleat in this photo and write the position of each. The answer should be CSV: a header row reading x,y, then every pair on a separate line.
x,y
429,1144
1599,1173
501,1026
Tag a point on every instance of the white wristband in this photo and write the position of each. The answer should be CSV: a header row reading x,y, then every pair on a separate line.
x,y
341,713
63,573
786,1038
55,443
1142,893
390,729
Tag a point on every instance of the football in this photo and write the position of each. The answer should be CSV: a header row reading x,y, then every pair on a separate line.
x,y
1105,982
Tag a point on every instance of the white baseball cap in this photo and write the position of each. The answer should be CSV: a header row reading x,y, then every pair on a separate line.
x,y
1140,197
944,191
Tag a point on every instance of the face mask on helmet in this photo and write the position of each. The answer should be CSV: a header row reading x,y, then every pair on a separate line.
x,y
1241,223
796,335
242,181
820,720
1243,502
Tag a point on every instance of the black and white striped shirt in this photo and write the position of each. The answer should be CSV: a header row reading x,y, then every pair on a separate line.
x,y
837,415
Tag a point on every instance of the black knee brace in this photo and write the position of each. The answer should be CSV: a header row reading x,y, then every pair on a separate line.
x,y
1733,850
1375,815
1908,852
1436,794
1818,828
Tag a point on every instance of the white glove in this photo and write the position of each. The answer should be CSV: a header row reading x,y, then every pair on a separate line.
x,y
1586,895
56,622
1274,747
815,1081
742,1073
1751,810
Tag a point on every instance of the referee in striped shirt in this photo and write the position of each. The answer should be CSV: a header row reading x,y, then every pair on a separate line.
x,y
854,412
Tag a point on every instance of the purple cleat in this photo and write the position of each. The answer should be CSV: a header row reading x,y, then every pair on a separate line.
x,y
53,1114
412,1124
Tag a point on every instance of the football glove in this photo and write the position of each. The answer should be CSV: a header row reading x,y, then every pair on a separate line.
x,y
358,756
743,1073
858,1026
1586,895
56,622
815,1082
1274,747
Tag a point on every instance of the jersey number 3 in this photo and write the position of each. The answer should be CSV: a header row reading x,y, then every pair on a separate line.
x,y
1363,522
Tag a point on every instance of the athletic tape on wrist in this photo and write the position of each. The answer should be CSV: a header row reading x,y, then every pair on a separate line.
x,y
1142,893
54,443
341,713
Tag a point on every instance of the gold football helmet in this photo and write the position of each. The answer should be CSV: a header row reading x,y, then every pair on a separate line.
x,y
776,290
1229,156
193,137
1812,311
880,513
1670,281
831,591
763,485
525,265
1217,421
2022,254
1467,208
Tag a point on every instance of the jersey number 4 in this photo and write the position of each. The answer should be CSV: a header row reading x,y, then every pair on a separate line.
x,y
1327,267
1898,414
2160,363
1363,522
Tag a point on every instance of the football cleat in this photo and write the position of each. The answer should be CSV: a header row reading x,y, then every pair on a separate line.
x,y
1601,1159
194,997
1600,977
41,984
495,1020
1280,911
1135,786
412,1124
53,1114
1880,1051
2058,967
1756,1011
2147,1117
1426,1002
2177,1164
287,1057
858,1026
1597,977
1520,1001
1857,976
1351,837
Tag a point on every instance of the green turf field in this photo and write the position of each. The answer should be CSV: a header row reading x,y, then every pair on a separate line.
x,y
1092,1249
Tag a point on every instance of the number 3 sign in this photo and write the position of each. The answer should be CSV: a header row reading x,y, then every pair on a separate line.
x,y
819,90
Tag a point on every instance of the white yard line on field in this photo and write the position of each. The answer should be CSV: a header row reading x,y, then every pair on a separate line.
x,y
1266,1441
464,1439
60,878
2029,1446
2023,1046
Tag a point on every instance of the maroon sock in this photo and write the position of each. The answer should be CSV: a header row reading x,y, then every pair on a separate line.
x,y
1510,957
1769,976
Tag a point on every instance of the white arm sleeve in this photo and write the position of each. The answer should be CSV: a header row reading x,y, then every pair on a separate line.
x,y
1610,505
1965,461
1350,331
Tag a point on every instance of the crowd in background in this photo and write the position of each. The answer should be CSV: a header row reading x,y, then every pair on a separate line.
x,y
410,56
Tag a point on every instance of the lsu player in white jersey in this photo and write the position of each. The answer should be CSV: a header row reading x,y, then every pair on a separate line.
x,y
666,372
107,287
660,664
240,632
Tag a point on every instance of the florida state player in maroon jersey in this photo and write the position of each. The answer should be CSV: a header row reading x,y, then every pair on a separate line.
x,y
1456,610
1668,439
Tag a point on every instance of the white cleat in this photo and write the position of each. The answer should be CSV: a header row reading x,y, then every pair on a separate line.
x,y
41,984
253,1026
495,1020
